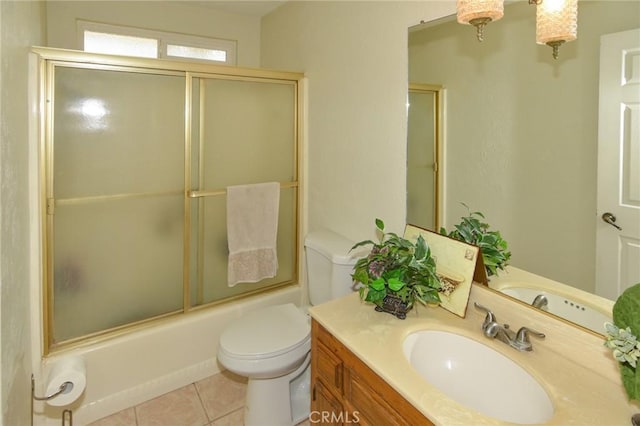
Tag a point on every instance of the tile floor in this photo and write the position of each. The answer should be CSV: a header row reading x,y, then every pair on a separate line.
x,y
215,401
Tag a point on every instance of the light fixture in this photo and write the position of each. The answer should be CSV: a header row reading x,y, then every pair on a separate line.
x,y
556,20
556,23
479,13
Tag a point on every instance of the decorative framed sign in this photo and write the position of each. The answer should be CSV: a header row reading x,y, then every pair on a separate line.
x,y
458,264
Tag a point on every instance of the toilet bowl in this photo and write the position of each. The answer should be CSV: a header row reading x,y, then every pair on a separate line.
x,y
271,346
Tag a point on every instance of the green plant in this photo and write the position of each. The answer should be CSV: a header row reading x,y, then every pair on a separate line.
x,y
473,230
622,338
623,343
397,266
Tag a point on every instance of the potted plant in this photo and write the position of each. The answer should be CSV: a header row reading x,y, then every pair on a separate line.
x,y
621,338
396,273
473,230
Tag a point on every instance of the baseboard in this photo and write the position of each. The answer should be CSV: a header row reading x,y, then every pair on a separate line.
x,y
127,398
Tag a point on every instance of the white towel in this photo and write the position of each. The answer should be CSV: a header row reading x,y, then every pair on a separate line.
x,y
252,229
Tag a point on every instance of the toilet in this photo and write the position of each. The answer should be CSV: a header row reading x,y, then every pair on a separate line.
x,y
272,346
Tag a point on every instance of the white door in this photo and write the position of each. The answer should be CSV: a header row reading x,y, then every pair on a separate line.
x,y
618,250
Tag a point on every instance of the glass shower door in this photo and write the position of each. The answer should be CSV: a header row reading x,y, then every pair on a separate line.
x,y
423,143
115,198
137,156
246,134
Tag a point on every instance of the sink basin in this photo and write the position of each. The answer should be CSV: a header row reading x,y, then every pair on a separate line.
x,y
570,309
477,377
578,306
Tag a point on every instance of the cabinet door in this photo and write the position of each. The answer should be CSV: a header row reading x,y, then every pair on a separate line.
x,y
372,409
374,401
330,369
346,391
326,409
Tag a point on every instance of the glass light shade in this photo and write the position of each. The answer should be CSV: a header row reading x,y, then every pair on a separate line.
x,y
470,10
556,21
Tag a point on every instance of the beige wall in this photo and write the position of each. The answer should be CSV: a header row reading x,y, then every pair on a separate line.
x,y
178,17
21,25
354,55
521,131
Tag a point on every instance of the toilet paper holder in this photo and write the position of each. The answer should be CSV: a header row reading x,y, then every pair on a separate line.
x,y
65,387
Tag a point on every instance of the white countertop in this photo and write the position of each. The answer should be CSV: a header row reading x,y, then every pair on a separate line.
x,y
583,393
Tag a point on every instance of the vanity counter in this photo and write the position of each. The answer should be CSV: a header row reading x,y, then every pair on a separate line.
x,y
572,365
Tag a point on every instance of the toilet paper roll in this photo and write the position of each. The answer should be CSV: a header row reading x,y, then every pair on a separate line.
x,y
71,370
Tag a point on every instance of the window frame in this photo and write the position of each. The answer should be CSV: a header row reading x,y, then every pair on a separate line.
x,y
164,38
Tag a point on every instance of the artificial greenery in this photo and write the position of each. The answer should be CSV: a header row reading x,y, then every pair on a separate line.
x,y
472,230
623,341
397,266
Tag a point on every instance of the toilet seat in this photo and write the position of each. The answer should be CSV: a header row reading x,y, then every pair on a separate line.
x,y
272,347
267,333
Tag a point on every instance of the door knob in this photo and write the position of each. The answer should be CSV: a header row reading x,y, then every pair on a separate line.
x,y
611,220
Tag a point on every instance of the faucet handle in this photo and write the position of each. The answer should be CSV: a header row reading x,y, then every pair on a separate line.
x,y
490,315
491,329
522,342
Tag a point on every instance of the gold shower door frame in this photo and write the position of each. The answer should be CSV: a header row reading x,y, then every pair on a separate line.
x,y
436,139
192,193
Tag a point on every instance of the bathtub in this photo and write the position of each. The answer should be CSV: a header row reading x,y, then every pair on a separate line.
x,y
140,365
582,308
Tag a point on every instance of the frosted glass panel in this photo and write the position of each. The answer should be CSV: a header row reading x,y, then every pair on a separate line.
x,y
117,195
116,262
115,44
421,160
248,132
215,250
196,53
117,132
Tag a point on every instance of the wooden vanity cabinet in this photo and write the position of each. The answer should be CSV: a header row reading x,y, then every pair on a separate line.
x,y
345,391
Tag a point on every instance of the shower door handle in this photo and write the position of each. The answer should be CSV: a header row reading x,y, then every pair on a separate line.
x,y
611,220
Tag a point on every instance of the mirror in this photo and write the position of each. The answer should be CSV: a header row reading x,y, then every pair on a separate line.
x,y
424,170
521,131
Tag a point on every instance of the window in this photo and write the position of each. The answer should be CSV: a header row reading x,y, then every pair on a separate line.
x,y
128,41
174,50
120,44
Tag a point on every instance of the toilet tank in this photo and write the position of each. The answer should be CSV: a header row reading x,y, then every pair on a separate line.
x,y
329,265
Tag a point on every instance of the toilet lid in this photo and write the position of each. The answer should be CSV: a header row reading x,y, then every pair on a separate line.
x,y
266,332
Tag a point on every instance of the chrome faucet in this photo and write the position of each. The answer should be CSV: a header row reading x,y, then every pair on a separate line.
x,y
540,301
493,330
